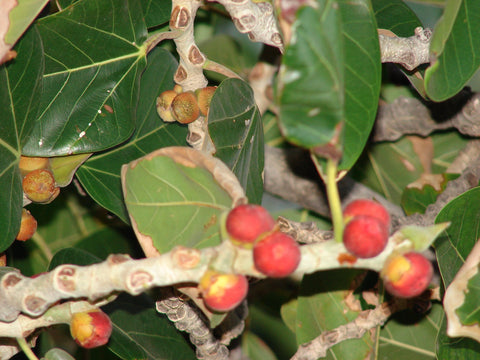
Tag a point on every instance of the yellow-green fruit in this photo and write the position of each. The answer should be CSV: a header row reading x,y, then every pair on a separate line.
x,y
28,164
164,105
204,97
185,108
39,186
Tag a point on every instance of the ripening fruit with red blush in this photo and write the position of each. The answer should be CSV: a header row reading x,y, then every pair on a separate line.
x,y
39,186
276,255
28,226
407,275
245,223
365,207
365,236
91,329
223,292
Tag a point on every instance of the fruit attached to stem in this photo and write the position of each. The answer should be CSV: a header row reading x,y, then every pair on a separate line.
x,y
28,226
365,236
39,186
91,329
246,223
223,292
276,255
185,108
204,97
28,164
368,208
164,105
407,275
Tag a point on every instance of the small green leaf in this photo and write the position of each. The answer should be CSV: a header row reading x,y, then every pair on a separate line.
x,y
100,175
235,127
455,46
173,204
64,167
310,84
422,236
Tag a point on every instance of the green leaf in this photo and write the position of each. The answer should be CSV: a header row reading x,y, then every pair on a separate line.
x,y
321,307
20,87
396,16
100,175
235,126
64,167
455,348
453,247
21,16
389,167
73,256
408,335
362,76
93,61
173,204
310,86
469,312
58,354
422,236
455,46
255,348
157,12
139,332
416,200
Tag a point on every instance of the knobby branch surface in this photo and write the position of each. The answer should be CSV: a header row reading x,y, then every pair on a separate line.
x,y
409,52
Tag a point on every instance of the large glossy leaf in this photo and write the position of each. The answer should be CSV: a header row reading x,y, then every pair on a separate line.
x,y
173,204
322,307
310,86
235,126
93,61
100,175
20,87
362,76
456,48
409,335
458,240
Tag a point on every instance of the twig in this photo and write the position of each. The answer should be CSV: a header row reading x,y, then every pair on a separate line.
x,y
365,321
